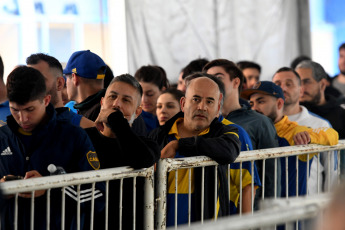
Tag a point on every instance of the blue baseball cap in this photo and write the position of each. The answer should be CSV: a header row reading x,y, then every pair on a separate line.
x,y
85,64
264,87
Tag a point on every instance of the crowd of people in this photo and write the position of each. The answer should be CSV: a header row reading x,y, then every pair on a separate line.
x,y
83,118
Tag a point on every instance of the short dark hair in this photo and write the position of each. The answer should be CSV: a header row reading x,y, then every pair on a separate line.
x,y
25,84
248,64
342,46
34,59
317,70
1,69
194,66
129,79
288,69
177,94
229,67
152,74
298,60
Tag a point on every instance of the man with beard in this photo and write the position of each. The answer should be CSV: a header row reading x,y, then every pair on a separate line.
x,y
268,98
339,80
117,145
290,82
51,69
313,78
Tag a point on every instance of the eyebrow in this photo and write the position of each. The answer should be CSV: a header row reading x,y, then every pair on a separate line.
x,y
259,98
116,93
209,98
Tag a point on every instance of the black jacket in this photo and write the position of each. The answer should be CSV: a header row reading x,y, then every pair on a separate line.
x,y
127,149
332,111
91,106
222,144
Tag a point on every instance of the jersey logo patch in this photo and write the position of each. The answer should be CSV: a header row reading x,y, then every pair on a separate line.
x,y
93,160
6,152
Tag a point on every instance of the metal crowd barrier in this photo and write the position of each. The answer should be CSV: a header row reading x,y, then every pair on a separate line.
x,y
169,165
277,212
78,179
163,167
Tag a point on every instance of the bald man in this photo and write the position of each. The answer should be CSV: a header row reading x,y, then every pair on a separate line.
x,y
196,131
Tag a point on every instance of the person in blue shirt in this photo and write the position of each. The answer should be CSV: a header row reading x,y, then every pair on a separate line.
x,y
154,81
33,139
196,131
235,177
4,107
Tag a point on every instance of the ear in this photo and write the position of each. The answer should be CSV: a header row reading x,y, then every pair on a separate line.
x,y
220,102
236,82
138,111
60,83
182,102
75,79
280,103
323,84
46,100
102,101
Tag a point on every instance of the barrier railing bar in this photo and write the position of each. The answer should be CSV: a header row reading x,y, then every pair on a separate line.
x,y
202,193
63,205
134,201
287,211
106,204
176,188
32,214
189,195
318,173
48,210
241,190
263,178
215,193
92,206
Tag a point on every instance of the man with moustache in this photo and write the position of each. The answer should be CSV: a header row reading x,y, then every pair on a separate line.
x,y
313,78
290,82
268,98
196,131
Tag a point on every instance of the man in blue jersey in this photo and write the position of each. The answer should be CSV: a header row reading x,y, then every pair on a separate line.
x,y
196,131
51,69
235,177
268,98
4,108
31,141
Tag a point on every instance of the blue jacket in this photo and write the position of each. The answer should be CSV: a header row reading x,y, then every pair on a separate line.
x,y
55,142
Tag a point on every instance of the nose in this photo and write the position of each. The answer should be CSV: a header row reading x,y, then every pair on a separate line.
x,y
253,106
117,103
202,105
23,117
144,98
163,109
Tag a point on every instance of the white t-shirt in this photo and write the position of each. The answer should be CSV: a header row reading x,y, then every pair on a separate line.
x,y
312,120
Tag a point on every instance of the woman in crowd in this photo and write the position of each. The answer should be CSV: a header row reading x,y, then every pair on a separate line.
x,y
154,81
168,104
